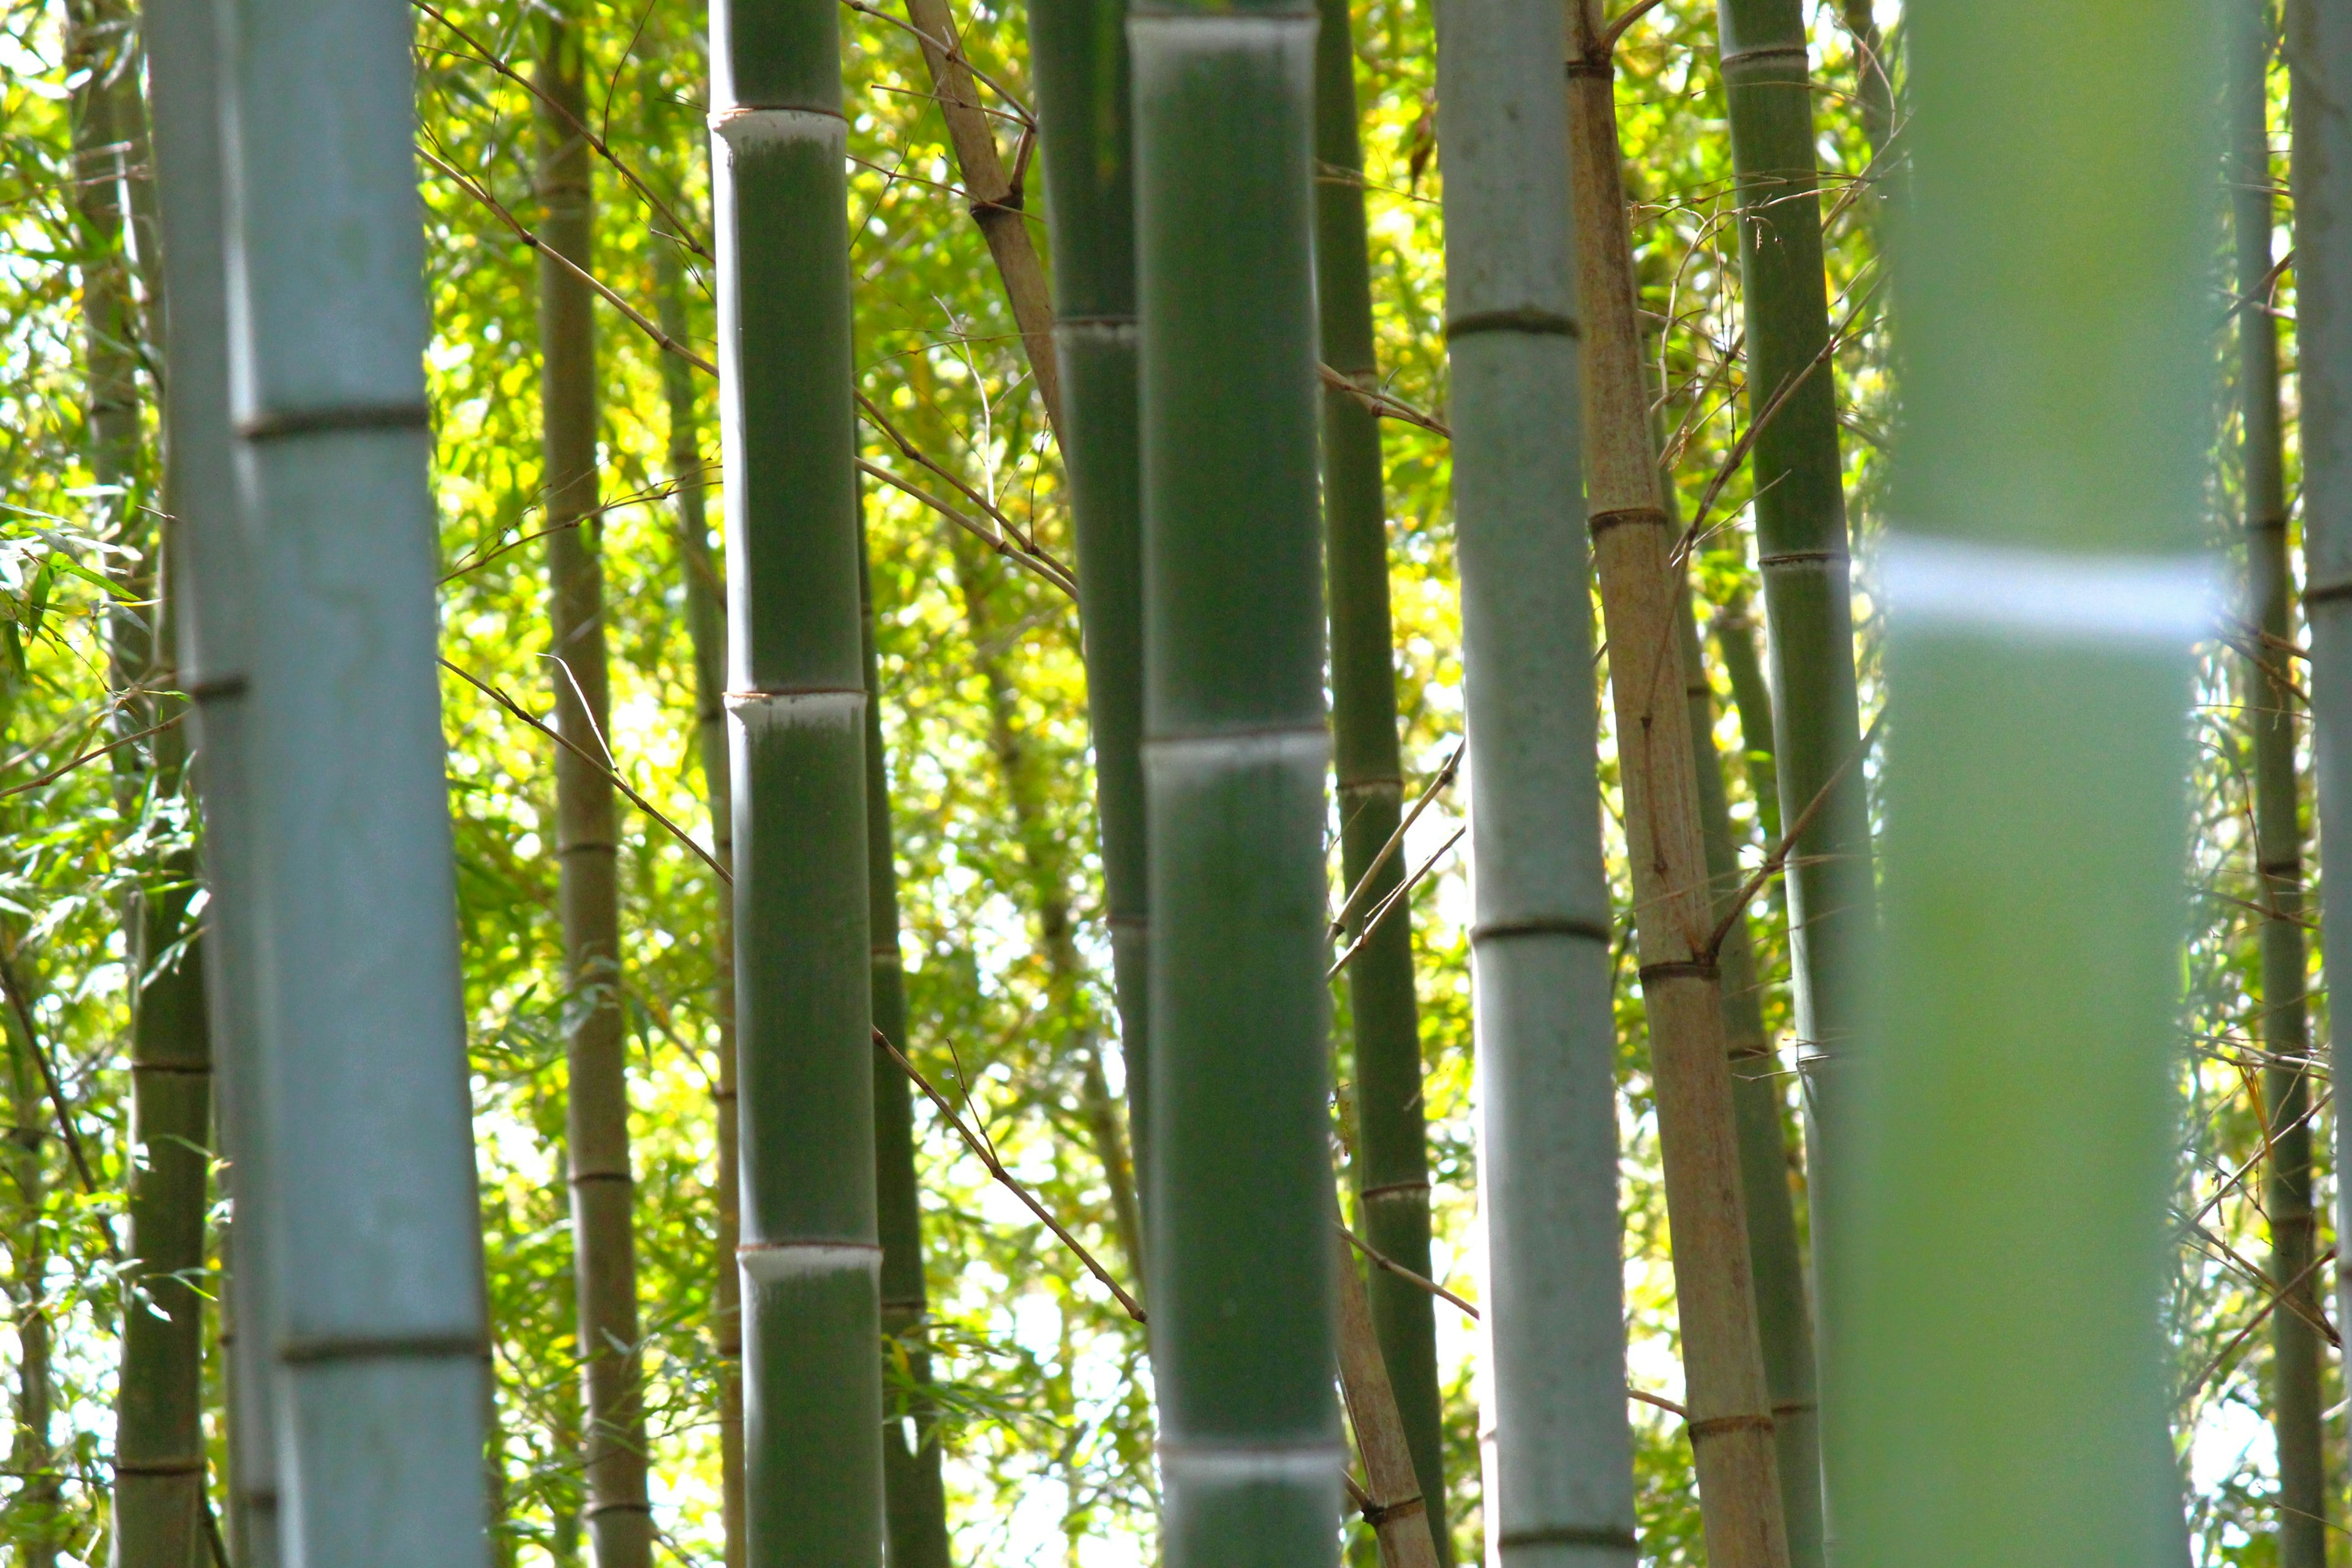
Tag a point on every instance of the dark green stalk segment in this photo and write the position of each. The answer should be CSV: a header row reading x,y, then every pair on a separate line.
x,y
1751,699
2270,697
1240,1179
2012,1111
596,1115
813,1395
1784,1318
1079,54
1802,552
913,1488
1391,1158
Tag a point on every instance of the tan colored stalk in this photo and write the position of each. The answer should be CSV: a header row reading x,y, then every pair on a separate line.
x,y
1392,1500
995,196
1730,1427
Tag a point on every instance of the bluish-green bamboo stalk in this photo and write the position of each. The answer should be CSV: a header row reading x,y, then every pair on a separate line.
x,y
1392,1156
2270,695
213,636
1240,1211
1079,55
375,1242
1998,1388
2319,67
1558,1471
810,1255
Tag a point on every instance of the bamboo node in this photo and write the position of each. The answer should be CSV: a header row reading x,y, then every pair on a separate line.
x,y
1719,1425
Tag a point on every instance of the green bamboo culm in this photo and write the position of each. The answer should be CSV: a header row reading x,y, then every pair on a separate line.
x,y
1801,555
596,1102
2043,592
1558,1481
212,649
2270,699
796,696
378,1335
1392,1156
913,1488
1239,1217
1080,57
2319,74
706,621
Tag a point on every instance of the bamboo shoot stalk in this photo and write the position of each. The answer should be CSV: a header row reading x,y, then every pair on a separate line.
x,y
706,620
212,649
1239,1212
1391,1158
374,1245
809,1252
587,846
1557,1450
2283,1022
913,1488
1731,1426
2042,591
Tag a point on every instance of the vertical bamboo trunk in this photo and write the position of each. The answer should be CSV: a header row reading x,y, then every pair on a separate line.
x,y
1557,1453
1391,1158
1403,1522
1802,555
587,827
212,649
1994,1330
706,621
378,1333
1874,82
994,197
1751,699
32,1457
914,1491
810,1254
1240,1181
2284,1028
1080,58
2319,64
1731,1427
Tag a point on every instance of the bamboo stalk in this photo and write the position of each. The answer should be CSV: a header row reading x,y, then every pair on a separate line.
x,y
1731,1427
1080,57
587,824
1557,1454
32,1443
2285,1026
809,1252
1394,1501
2012,1109
914,1490
1391,1159
1239,1180
375,1221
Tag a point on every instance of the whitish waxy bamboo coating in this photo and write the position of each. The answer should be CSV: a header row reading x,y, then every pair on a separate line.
x,y
809,1253
2319,65
1079,54
1558,1460
377,1334
1674,916
1240,1179
2006,1145
2270,695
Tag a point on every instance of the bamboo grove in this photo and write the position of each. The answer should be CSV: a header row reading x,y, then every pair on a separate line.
x,y
1223,781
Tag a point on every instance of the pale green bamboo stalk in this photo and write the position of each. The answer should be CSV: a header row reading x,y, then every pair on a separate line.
x,y
1080,58
810,1255
914,1491
1731,1426
1558,1471
2270,695
706,621
211,622
1391,1157
587,826
1240,1210
1994,1337
375,1242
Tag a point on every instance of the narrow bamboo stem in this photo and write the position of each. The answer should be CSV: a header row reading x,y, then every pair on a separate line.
x,y
1731,1427
1394,1501
31,1448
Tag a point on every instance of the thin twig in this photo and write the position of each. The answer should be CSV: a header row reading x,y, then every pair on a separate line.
x,y
90,755
56,1091
2259,1318
1381,402
1445,777
996,1167
1616,29
970,525
954,51
1736,910
1388,904
1420,1281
